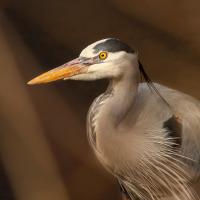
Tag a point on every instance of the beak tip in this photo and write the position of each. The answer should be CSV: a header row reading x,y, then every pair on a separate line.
x,y
32,82
60,73
29,83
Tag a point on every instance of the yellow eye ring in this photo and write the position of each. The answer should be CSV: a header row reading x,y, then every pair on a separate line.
x,y
103,55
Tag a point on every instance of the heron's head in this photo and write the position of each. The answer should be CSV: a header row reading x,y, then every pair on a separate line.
x,y
108,58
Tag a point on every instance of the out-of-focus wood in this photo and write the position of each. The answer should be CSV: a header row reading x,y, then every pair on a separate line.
x,y
4,4
24,150
177,18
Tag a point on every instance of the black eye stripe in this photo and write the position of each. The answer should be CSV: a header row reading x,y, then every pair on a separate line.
x,y
112,45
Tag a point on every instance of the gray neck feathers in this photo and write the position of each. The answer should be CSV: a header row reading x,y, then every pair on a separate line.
x,y
93,114
110,109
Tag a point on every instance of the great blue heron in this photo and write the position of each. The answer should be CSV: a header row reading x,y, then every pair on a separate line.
x,y
145,134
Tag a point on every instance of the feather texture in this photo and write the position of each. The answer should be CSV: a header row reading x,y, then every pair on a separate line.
x,y
148,163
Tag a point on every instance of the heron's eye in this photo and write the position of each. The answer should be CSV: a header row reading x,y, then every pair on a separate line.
x,y
103,55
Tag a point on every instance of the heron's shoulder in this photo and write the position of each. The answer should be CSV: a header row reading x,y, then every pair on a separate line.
x,y
145,90
145,87
182,103
170,93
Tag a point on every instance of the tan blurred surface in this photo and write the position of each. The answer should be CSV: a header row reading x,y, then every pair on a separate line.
x,y
48,33
24,151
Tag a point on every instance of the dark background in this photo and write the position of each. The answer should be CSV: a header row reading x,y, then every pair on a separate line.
x,y
43,146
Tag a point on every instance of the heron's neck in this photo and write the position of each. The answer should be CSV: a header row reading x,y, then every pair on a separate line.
x,y
123,94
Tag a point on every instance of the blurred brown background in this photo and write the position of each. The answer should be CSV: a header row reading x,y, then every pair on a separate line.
x,y
43,146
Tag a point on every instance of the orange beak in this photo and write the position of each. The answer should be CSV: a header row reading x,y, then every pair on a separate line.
x,y
72,68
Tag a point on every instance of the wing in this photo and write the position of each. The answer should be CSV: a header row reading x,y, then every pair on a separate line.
x,y
187,109
184,126
172,152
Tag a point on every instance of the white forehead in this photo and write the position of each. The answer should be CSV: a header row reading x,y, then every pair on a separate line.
x,y
89,50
